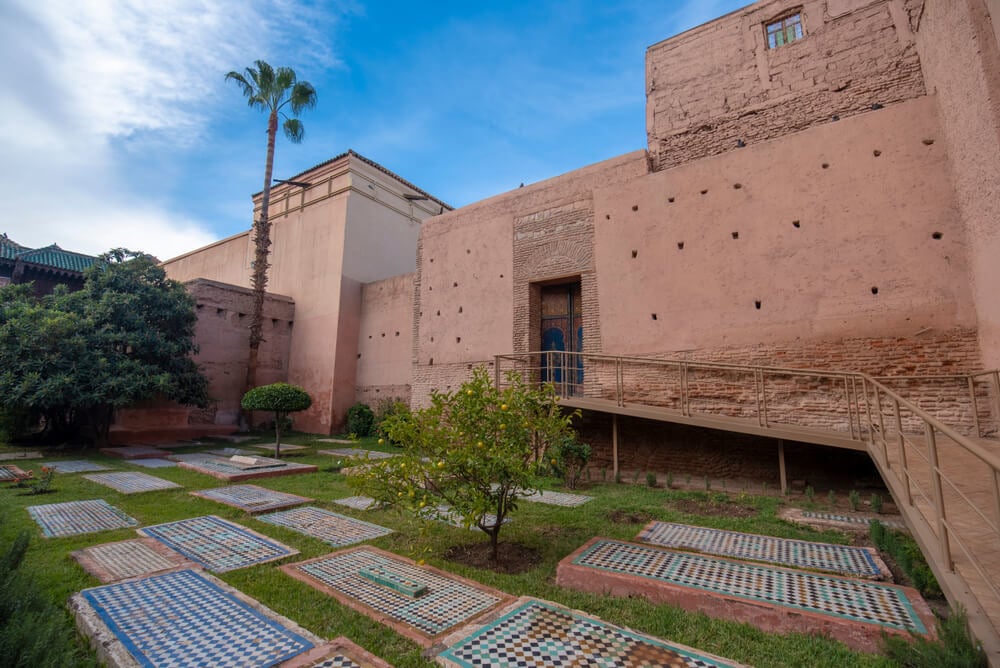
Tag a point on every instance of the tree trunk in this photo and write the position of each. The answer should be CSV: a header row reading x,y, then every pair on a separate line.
x,y
99,418
262,248
279,418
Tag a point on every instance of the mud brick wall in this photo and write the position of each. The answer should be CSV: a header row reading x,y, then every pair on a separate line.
x,y
811,401
385,341
720,84
441,378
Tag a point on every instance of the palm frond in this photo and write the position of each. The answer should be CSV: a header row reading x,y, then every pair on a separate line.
x,y
294,130
303,96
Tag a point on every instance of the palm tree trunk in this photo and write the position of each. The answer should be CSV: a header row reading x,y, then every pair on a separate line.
x,y
262,248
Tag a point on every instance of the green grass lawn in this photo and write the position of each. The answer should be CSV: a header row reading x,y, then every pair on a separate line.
x,y
553,531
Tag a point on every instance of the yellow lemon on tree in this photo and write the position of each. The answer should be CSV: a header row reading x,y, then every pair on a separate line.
x,y
469,392
503,407
381,441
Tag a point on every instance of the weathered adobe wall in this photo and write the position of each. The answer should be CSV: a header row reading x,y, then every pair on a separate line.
x,y
961,62
717,84
385,341
223,340
226,261
223,337
476,268
787,242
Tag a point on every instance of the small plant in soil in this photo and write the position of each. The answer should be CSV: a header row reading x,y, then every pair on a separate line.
x,y
876,502
604,474
831,499
810,493
635,476
670,480
650,479
708,484
854,499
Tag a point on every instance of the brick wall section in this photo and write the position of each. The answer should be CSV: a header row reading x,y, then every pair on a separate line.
x,y
429,378
385,341
551,244
693,453
718,84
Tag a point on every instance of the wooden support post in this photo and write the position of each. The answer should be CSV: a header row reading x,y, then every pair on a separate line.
x,y
614,445
781,467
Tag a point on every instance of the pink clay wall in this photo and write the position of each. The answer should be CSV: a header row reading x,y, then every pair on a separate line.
x,y
385,341
865,222
718,83
959,54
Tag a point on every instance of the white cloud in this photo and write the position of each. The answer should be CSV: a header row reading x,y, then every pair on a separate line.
x,y
98,97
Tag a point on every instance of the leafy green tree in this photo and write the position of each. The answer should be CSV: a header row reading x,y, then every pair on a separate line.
x,y
476,450
272,91
279,398
128,335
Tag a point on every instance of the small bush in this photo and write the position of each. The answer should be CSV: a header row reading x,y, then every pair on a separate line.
x,y
954,648
810,493
650,479
876,502
635,476
570,458
360,420
854,499
908,557
386,410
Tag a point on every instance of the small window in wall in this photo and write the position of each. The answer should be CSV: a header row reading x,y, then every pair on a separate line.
x,y
784,30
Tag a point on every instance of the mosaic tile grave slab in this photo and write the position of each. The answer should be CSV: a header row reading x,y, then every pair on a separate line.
x,y
329,527
131,482
849,519
135,452
844,559
448,602
226,469
229,452
290,447
124,559
338,653
217,544
359,453
233,438
345,441
854,611
153,463
185,618
76,466
358,502
13,456
76,517
11,473
252,498
444,513
557,498
537,634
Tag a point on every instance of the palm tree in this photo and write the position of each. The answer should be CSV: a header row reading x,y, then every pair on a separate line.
x,y
270,90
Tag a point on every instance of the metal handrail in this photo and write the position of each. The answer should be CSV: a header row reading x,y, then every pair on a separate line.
x,y
869,405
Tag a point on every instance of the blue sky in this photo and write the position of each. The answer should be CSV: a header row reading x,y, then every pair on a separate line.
x,y
117,128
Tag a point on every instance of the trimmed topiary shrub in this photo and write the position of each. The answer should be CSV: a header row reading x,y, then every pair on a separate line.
x,y
360,420
280,399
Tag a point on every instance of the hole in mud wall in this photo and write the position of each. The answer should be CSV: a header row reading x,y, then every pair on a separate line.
x,y
756,304
219,311
736,235
874,289
431,362
653,316
635,207
454,285
936,236
432,260
432,339
458,339
607,216
737,186
383,335
439,312
876,153
796,224
430,288
274,321
705,191
635,254
468,251
928,142
825,165
501,275
369,336
670,199
680,245
397,333
459,309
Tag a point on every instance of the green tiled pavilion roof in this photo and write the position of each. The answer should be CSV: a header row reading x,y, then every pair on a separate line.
x,y
51,256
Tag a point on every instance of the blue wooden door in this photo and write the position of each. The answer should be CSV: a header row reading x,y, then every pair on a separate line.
x,y
562,334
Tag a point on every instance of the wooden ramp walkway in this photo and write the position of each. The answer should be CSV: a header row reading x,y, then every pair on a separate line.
x,y
945,478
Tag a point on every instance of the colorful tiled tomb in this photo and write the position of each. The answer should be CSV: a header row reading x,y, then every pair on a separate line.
x,y
185,618
773,599
11,473
530,633
251,498
135,452
338,653
448,601
131,482
330,527
125,559
237,471
217,544
78,517
843,559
